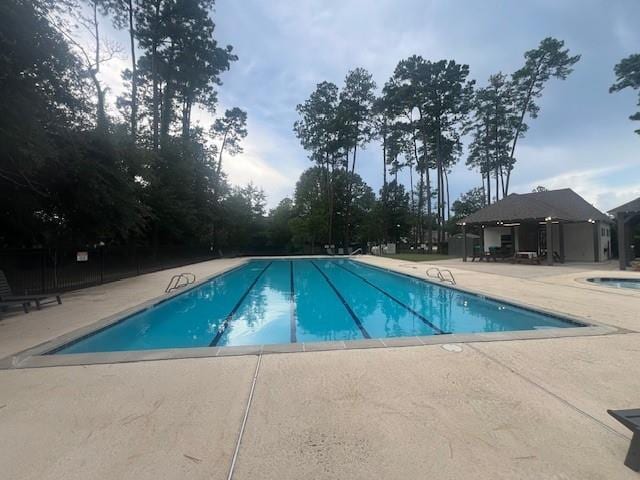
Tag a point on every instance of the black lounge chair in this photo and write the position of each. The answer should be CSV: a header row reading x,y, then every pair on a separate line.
x,y
4,305
6,295
631,420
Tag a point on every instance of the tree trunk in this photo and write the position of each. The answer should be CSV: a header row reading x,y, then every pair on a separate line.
x,y
488,187
446,178
134,74
347,236
384,186
421,207
186,116
525,106
413,205
418,235
101,116
167,111
216,188
331,195
440,204
97,35
154,77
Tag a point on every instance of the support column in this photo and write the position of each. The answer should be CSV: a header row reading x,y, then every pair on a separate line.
x,y
464,242
561,240
622,243
628,236
482,239
549,242
596,241
513,241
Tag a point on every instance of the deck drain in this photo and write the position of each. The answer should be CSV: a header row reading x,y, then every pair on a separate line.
x,y
450,347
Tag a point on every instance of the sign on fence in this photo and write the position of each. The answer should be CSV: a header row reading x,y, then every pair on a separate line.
x,y
82,256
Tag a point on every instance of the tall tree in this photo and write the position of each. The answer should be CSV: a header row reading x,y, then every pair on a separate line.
x,y
355,109
229,131
319,132
151,36
123,14
548,60
494,123
447,104
628,76
309,225
440,94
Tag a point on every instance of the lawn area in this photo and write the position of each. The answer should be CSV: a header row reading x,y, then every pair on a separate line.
x,y
419,257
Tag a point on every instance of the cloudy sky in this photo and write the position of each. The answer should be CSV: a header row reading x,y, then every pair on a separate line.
x,y
582,138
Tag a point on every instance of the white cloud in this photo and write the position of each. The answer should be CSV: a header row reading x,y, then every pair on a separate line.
x,y
605,174
277,180
269,159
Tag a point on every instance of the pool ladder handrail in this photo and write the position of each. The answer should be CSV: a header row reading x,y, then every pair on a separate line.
x,y
180,280
356,251
440,275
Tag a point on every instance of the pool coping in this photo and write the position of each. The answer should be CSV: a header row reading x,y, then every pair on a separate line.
x,y
585,280
41,355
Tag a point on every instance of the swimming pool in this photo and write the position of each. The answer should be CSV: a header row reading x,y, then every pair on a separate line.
x,y
617,282
307,300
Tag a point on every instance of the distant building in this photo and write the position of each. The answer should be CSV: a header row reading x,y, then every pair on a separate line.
x,y
628,218
556,224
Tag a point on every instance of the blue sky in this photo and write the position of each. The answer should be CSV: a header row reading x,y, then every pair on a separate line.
x,y
582,138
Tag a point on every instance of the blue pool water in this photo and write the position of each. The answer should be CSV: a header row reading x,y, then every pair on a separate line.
x,y
617,282
282,301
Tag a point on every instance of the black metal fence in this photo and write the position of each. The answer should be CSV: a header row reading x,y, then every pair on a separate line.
x,y
54,270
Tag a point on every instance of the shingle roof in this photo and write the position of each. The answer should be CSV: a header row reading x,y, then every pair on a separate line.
x,y
632,206
564,204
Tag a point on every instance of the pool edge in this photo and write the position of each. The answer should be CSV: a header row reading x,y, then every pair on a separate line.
x,y
26,360
40,355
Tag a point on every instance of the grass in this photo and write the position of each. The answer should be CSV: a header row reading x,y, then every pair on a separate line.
x,y
419,257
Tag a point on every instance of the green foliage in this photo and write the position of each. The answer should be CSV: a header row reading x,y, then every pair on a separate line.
x,y
62,180
628,76
469,203
500,110
493,126
69,174
278,228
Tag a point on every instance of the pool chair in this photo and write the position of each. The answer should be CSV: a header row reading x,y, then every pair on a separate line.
x,y
6,295
5,305
631,420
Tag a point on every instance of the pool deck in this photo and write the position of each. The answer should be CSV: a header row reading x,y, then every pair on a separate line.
x,y
509,409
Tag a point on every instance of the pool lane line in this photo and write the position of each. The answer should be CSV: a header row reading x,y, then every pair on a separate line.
x,y
292,306
229,317
399,302
364,332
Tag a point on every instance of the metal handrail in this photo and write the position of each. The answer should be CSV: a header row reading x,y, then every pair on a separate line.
x,y
439,275
356,251
175,281
451,280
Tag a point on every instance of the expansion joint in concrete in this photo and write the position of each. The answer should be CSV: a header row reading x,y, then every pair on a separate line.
x,y
244,419
549,392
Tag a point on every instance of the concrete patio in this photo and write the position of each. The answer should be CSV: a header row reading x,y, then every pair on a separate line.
x,y
525,409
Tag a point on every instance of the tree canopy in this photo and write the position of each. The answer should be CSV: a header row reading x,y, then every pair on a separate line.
x,y
628,76
75,172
